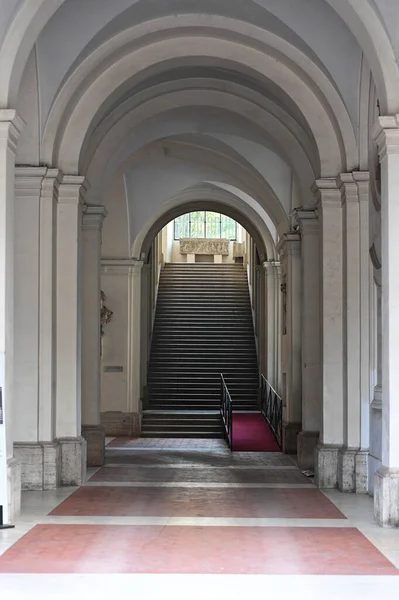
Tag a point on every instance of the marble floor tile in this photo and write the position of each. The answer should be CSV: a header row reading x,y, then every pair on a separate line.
x,y
227,550
220,502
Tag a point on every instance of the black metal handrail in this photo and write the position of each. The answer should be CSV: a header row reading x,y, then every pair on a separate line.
x,y
272,409
226,412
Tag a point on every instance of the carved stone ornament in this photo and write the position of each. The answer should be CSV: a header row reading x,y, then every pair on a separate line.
x,y
204,246
105,317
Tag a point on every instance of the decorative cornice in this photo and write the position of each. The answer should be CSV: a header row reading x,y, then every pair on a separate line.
x,y
11,126
348,188
51,184
93,217
273,268
385,132
120,266
377,398
72,189
326,191
290,243
307,220
28,181
362,179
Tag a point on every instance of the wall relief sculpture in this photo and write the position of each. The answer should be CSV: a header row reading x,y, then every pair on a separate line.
x,y
204,246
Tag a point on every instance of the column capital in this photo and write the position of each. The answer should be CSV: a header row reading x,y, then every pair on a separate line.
x,y
289,244
33,181
11,126
28,181
353,186
386,134
72,189
326,191
93,217
307,221
273,268
51,184
119,266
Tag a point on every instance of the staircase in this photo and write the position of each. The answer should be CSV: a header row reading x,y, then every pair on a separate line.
x,y
203,327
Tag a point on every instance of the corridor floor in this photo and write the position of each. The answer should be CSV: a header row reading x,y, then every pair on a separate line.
x,y
185,519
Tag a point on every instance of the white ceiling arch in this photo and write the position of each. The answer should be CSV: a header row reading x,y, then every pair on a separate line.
x,y
206,197
77,104
360,17
152,121
188,165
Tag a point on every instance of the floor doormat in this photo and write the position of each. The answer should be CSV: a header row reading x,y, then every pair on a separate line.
x,y
252,434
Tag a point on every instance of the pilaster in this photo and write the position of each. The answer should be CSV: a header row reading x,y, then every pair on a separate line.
x,y
126,275
272,269
352,464
289,249
36,190
308,223
386,490
331,321
92,430
10,477
69,298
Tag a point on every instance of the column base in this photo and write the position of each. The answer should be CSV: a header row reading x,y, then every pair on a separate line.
x,y
14,490
326,466
353,470
72,461
386,497
40,464
306,445
95,440
290,434
120,424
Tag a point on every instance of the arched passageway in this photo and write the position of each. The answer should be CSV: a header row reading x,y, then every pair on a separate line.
x,y
155,109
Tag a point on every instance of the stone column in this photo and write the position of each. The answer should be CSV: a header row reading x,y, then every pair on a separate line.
x,y
10,474
352,458
311,386
134,340
262,312
146,325
123,278
68,371
331,321
92,431
34,328
278,375
386,487
289,249
271,349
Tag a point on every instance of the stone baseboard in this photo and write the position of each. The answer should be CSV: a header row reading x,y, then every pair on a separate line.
x,y
326,466
353,470
290,434
120,424
40,465
95,440
386,497
72,461
14,490
306,446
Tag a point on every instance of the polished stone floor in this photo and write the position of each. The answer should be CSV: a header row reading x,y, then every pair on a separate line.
x,y
185,519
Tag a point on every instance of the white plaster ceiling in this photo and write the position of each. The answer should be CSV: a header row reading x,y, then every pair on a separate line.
x,y
275,87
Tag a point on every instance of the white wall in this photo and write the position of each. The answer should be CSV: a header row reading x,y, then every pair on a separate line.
x,y
114,389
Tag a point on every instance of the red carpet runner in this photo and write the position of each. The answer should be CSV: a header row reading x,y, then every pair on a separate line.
x,y
252,434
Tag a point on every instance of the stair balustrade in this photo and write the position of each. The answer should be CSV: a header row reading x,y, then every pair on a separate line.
x,y
226,412
272,409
